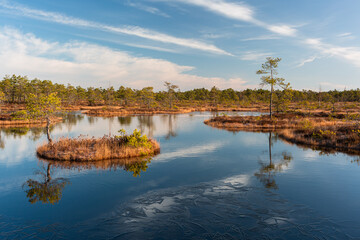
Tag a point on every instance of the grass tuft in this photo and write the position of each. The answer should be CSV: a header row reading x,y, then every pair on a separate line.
x,y
336,131
95,149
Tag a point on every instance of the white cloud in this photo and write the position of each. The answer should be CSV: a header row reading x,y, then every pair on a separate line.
x,y
87,64
231,10
264,37
146,8
160,37
127,30
254,56
351,54
332,86
214,36
346,36
308,60
150,47
285,30
239,11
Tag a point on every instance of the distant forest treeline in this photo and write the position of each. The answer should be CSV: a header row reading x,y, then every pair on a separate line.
x,y
16,89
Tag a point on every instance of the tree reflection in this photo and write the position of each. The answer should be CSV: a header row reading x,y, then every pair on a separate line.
x,y
125,121
72,120
356,160
37,132
134,165
146,122
47,189
34,133
2,142
137,167
268,171
171,121
91,120
16,131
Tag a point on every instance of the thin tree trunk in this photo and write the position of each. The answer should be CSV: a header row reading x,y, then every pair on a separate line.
x,y
271,93
170,98
48,130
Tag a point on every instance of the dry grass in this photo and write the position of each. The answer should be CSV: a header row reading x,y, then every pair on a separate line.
x,y
278,122
344,138
95,149
118,111
340,132
113,111
193,105
6,121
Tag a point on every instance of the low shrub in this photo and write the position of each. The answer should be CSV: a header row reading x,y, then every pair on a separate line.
x,y
19,115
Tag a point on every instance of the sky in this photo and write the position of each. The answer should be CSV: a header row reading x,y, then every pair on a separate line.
x,y
190,43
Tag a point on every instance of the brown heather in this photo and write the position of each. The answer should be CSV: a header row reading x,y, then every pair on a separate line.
x,y
6,121
333,132
94,149
113,111
344,138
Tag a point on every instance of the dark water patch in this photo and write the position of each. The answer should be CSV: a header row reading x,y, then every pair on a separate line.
x,y
11,228
206,184
226,209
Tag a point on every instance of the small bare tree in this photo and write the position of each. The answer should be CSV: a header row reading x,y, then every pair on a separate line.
x,y
269,67
171,92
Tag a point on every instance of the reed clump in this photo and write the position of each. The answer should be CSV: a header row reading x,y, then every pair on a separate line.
x,y
95,149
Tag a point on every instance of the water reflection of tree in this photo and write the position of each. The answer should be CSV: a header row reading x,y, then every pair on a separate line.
x,y
356,160
72,120
147,122
110,121
134,165
170,120
125,121
47,189
37,132
137,167
268,171
16,131
34,133
2,142
91,120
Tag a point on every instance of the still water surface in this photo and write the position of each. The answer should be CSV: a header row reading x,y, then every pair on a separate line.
x,y
206,183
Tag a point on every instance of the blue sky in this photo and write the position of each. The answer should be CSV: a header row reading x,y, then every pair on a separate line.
x,y
191,43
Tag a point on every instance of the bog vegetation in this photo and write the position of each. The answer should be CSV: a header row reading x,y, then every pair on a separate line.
x,y
20,90
330,131
95,149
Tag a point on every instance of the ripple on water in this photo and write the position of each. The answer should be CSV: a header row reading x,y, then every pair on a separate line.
x,y
223,210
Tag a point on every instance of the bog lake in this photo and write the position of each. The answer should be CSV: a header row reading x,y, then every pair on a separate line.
x,y
206,183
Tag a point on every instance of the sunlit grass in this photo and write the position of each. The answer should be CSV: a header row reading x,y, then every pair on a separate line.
x,y
94,149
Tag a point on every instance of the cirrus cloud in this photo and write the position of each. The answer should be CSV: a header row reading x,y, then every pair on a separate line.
x,y
137,31
241,12
81,63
